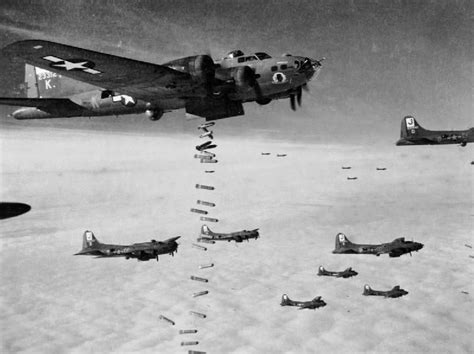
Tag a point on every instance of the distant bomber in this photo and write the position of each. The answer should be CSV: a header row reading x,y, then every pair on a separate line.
x,y
141,251
413,134
394,249
395,292
238,236
313,304
347,273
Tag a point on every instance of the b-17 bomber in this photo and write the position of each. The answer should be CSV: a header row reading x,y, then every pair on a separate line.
x,y
312,304
238,236
396,291
346,273
396,248
143,251
412,133
100,84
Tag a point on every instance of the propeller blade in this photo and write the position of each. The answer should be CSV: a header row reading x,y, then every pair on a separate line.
x,y
292,102
299,93
258,90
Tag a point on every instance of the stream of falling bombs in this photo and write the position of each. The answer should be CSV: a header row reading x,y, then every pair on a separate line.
x,y
205,157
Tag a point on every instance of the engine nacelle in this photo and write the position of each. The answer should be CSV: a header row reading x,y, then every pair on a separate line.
x,y
154,114
244,77
200,67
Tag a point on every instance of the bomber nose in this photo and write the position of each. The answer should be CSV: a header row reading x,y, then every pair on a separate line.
x,y
311,67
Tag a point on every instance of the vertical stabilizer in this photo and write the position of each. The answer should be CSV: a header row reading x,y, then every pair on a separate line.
x,y
341,241
410,127
88,240
205,230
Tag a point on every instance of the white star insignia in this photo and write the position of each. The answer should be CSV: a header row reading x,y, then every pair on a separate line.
x,y
128,100
68,65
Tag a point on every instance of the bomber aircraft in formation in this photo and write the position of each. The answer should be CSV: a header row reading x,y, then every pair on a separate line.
x,y
238,236
395,292
346,273
143,251
412,133
116,85
394,249
312,304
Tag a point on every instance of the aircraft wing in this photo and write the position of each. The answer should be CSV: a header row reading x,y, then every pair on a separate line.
x,y
397,252
127,76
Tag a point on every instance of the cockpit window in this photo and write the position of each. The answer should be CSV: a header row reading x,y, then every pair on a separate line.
x,y
248,58
261,55
235,54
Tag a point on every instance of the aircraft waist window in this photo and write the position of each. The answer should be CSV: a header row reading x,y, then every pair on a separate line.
x,y
251,58
106,93
283,66
274,68
241,60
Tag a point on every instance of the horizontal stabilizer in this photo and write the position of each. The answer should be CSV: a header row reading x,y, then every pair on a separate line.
x,y
173,239
45,107
42,103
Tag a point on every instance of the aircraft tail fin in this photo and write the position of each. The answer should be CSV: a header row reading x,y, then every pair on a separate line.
x,y
205,230
41,83
410,127
285,300
367,289
89,240
341,241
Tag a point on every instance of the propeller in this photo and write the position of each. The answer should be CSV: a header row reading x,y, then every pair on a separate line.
x,y
297,96
299,93
253,82
292,102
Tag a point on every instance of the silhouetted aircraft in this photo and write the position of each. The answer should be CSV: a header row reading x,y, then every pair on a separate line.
x,y
381,168
11,209
238,236
281,155
395,292
394,249
346,167
141,251
202,86
313,304
413,134
351,178
347,273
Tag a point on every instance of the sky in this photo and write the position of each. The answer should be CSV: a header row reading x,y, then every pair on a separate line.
x,y
385,59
